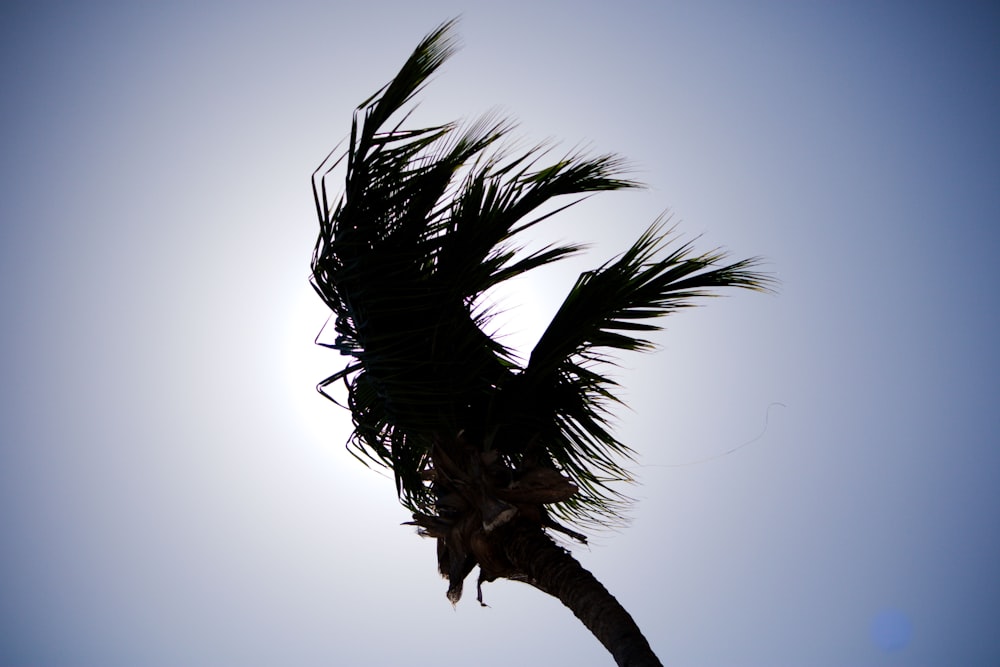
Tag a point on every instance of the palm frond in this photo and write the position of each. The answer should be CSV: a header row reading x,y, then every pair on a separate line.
x,y
562,396
611,300
492,207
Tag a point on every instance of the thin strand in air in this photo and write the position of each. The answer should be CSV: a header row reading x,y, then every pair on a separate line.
x,y
767,416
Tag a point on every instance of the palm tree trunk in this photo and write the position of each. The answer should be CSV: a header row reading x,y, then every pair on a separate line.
x,y
551,569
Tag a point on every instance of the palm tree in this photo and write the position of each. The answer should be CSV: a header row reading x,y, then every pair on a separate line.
x,y
490,454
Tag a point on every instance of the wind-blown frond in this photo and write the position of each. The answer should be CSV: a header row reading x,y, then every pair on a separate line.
x,y
561,394
491,208
611,300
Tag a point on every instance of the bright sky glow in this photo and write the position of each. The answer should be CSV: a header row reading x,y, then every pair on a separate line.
x,y
174,492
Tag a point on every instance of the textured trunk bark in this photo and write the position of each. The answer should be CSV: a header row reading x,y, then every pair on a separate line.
x,y
550,568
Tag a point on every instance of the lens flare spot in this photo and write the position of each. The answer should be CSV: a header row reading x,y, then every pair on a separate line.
x,y
891,630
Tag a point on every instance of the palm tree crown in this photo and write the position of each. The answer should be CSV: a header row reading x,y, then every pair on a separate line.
x,y
425,225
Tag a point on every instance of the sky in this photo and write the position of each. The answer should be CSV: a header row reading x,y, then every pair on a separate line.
x,y
174,492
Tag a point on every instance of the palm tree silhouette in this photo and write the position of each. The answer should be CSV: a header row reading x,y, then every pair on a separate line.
x,y
489,453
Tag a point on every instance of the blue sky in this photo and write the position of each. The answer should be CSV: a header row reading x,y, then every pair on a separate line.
x,y
173,491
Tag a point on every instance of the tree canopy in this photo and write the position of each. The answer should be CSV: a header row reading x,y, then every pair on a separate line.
x,y
428,221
